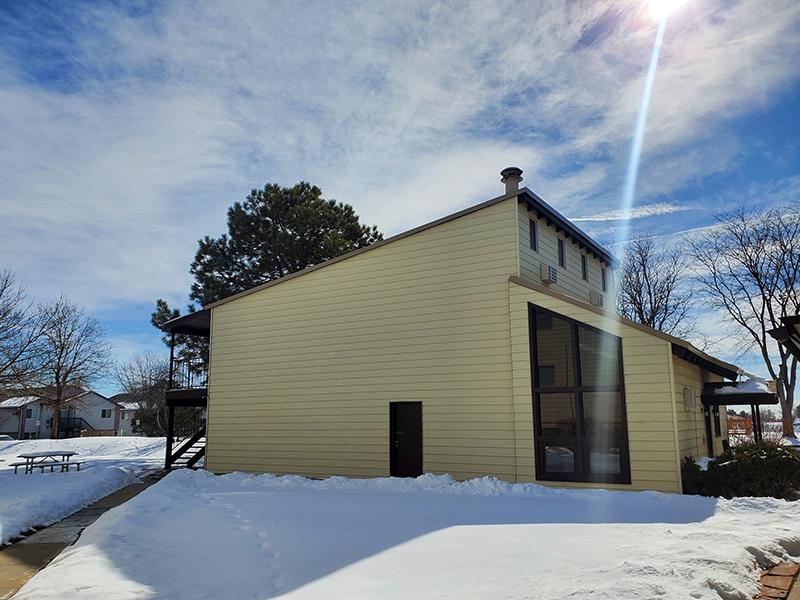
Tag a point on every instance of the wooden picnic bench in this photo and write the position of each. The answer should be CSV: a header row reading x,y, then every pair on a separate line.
x,y
47,460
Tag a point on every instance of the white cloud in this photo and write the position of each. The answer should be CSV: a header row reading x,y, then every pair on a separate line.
x,y
639,212
408,111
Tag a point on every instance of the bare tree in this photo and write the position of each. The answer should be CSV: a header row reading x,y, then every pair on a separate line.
x,y
749,268
652,289
74,354
144,379
21,328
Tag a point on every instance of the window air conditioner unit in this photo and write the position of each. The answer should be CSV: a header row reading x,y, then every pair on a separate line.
x,y
596,298
549,274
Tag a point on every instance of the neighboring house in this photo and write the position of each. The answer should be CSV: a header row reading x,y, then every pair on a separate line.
x,y
20,417
127,414
85,413
482,344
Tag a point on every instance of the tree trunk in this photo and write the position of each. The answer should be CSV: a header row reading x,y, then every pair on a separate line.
x,y
56,422
785,397
788,422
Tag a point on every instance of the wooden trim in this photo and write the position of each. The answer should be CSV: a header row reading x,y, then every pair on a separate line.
x,y
562,224
190,397
715,365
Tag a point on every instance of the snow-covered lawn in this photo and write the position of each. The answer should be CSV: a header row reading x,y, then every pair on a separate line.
x,y
110,463
195,536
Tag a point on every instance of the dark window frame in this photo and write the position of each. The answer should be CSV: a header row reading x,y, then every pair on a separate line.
x,y
562,253
584,268
533,234
581,443
103,412
604,278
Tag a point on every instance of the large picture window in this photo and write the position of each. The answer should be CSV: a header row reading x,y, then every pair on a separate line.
x,y
580,427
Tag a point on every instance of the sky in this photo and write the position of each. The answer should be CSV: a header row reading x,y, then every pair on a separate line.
x,y
127,129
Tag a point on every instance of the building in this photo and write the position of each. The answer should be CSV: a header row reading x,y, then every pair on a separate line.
x,y
482,344
84,413
127,414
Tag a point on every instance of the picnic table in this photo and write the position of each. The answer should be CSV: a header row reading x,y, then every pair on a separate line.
x,y
48,459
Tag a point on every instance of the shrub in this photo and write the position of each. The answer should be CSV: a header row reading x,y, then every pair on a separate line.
x,y
749,469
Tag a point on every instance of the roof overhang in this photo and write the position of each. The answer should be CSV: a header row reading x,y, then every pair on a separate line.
x,y
711,398
788,334
702,360
196,323
562,224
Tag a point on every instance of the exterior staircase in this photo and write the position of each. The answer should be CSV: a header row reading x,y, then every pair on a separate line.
x,y
186,447
192,456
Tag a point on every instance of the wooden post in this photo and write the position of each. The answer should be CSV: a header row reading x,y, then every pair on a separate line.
x,y
755,417
170,434
171,360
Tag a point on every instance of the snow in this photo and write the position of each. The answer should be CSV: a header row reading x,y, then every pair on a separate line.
x,y
787,441
194,536
703,461
18,401
110,463
749,386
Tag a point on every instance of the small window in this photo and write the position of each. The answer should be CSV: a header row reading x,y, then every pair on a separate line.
x,y
603,277
533,234
105,413
584,271
562,258
28,413
123,416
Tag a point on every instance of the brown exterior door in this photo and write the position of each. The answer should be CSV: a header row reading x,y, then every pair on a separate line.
x,y
405,449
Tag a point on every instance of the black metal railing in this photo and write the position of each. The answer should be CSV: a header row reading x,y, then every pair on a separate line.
x,y
73,426
188,374
191,421
183,438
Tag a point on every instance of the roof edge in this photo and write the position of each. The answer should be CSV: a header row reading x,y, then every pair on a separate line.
x,y
420,228
723,368
564,223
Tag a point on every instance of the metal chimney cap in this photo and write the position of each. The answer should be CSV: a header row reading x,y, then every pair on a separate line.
x,y
510,172
511,176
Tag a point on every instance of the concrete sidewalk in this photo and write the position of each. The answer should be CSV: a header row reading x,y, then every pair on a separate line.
x,y
22,560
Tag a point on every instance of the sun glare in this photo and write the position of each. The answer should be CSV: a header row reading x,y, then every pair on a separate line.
x,y
661,9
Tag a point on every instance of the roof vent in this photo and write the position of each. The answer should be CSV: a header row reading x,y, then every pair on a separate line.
x,y
511,176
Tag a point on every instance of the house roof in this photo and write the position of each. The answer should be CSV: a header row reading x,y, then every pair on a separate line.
x,y
680,348
18,401
196,323
525,195
70,395
124,401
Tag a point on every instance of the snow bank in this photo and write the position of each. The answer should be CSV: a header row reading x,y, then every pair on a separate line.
x,y
194,535
109,463
34,500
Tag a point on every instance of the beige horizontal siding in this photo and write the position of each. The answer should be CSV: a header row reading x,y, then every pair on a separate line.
x,y
648,392
691,423
570,281
302,373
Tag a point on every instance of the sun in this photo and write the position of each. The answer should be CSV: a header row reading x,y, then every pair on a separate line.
x,y
660,9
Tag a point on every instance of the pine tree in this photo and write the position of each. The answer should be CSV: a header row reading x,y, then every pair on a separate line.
x,y
274,232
